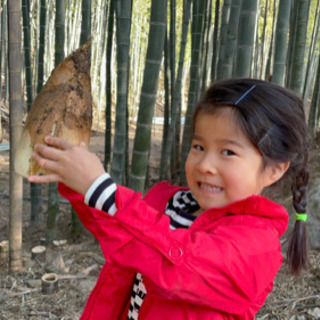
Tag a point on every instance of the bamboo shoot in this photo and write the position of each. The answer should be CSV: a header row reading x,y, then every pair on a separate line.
x,y
63,108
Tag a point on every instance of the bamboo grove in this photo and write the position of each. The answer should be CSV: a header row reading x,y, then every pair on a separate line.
x,y
148,54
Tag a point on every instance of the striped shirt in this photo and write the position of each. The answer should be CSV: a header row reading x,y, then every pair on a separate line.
x,y
180,207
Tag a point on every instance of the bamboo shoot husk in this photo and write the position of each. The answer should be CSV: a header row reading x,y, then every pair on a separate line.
x,y
63,108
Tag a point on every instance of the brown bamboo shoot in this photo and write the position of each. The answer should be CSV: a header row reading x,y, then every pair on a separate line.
x,y
63,108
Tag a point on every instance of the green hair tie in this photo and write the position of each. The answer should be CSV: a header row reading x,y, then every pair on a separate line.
x,y
301,217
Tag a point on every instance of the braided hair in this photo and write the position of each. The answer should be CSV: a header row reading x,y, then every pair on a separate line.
x,y
273,119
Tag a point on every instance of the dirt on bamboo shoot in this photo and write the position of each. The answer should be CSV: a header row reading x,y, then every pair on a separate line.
x,y
63,108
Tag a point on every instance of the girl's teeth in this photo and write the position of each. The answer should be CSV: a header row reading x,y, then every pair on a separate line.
x,y
209,187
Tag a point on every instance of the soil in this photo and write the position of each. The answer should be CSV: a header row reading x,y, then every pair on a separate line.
x,y
79,260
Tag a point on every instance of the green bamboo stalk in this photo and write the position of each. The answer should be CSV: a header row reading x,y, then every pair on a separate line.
x,y
101,56
314,114
281,42
98,42
164,174
141,148
50,39
291,41
246,32
86,21
260,66
206,46
270,55
107,148
35,44
166,116
312,53
59,31
118,166
215,41
297,68
172,45
85,34
225,18
27,51
53,195
194,85
53,209
35,189
43,21
175,148
231,43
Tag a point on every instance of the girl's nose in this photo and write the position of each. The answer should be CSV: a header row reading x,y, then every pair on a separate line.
x,y
207,164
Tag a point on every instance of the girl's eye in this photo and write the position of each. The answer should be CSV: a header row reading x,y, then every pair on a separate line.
x,y
198,147
228,153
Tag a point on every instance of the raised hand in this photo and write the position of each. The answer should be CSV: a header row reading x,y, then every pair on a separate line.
x,y
73,165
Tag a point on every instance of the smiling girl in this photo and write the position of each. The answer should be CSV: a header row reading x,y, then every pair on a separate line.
x,y
208,251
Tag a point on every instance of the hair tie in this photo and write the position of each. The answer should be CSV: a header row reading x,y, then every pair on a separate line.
x,y
251,88
301,217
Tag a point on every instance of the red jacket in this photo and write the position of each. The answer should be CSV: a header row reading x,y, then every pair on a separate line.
x,y
222,267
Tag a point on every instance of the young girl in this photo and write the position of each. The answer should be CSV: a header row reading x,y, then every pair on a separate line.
x,y
209,251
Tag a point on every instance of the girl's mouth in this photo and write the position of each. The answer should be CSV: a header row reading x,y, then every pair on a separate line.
x,y
209,187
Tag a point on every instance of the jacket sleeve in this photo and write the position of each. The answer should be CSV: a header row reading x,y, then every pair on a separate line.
x,y
226,269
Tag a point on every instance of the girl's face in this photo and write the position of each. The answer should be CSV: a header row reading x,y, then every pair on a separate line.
x,y
223,165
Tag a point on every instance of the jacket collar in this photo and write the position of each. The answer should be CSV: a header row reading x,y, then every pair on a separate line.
x,y
253,206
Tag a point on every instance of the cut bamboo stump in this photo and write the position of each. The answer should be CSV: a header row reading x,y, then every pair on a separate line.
x,y
49,283
38,253
59,243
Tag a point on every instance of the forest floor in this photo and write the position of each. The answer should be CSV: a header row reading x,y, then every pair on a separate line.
x,y
79,261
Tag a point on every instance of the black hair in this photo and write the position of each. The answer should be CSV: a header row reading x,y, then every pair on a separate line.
x,y
273,119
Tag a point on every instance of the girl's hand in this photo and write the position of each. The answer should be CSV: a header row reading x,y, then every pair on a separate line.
x,y
68,163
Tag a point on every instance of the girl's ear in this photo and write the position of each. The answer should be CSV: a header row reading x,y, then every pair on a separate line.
x,y
275,172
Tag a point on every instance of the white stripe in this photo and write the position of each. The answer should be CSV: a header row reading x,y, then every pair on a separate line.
x,y
95,185
183,221
187,200
112,210
176,198
135,287
138,300
105,195
134,315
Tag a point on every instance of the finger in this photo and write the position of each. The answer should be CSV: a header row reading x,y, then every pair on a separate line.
x,y
46,164
58,142
47,152
44,178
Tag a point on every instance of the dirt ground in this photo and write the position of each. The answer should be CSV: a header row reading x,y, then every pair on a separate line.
x,y
78,262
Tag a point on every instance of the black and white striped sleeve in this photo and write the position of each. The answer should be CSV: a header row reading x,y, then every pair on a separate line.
x,y
101,194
